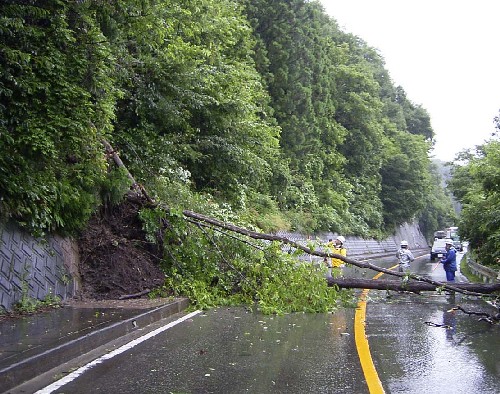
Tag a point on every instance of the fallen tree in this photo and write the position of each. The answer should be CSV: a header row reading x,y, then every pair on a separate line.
x,y
473,288
411,286
408,281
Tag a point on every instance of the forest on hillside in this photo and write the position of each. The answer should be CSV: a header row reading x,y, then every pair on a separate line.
x,y
264,109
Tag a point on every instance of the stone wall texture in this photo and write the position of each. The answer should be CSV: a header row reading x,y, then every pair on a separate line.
x,y
35,268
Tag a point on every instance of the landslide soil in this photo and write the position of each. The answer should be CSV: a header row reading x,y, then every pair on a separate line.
x,y
115,257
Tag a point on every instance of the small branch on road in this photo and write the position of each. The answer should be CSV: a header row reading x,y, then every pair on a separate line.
x,y
431,324
492,319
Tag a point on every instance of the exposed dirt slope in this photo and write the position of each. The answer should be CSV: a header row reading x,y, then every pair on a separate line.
x,y
115,258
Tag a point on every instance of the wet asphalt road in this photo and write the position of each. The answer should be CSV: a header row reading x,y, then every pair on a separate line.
x,y
230,350
412,355
234,351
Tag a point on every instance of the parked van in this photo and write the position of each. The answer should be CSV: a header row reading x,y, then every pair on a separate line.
x,y
457,244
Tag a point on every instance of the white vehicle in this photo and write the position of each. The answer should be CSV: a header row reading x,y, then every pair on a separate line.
x,y
438,249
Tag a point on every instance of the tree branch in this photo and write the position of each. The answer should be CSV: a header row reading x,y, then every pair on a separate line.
x,y
484,316
137,188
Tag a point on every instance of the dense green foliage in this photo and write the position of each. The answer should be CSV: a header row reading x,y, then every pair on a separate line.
x,y
289,120
56,102
197,102
212,269
262,110
357,147
476,185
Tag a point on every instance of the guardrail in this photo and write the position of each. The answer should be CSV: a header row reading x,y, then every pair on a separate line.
x,y
487,275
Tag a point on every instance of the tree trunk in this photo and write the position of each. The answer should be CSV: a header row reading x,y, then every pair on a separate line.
x,y
411,286
137,190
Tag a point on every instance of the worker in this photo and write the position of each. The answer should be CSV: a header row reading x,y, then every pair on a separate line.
x,y
336,246
449,261
405,256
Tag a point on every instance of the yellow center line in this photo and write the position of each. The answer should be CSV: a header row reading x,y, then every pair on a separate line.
x,y
365,357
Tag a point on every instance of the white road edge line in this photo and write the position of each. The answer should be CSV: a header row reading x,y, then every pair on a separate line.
x,y
75,374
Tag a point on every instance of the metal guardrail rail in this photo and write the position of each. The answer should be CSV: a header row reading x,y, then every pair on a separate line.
x,y
487,274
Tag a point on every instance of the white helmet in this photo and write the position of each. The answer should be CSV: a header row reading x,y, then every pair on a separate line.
x,y
448,242
404,243
341,239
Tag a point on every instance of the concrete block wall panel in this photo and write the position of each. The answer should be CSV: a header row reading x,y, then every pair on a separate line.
x,y
34,267
411,233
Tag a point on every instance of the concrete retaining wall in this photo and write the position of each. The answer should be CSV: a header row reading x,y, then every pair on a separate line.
x,y
35,268
357,246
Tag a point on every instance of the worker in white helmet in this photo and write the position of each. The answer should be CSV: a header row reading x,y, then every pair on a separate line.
x,y
449,261
336,246
405,257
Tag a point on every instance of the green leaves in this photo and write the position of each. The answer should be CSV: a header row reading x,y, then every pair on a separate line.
x,y
438,211
476,184
192,95
213,269
341,121
254,109
230,99
405,178
54,93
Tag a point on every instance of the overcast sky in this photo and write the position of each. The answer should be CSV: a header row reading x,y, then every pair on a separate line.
x,y
444,53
